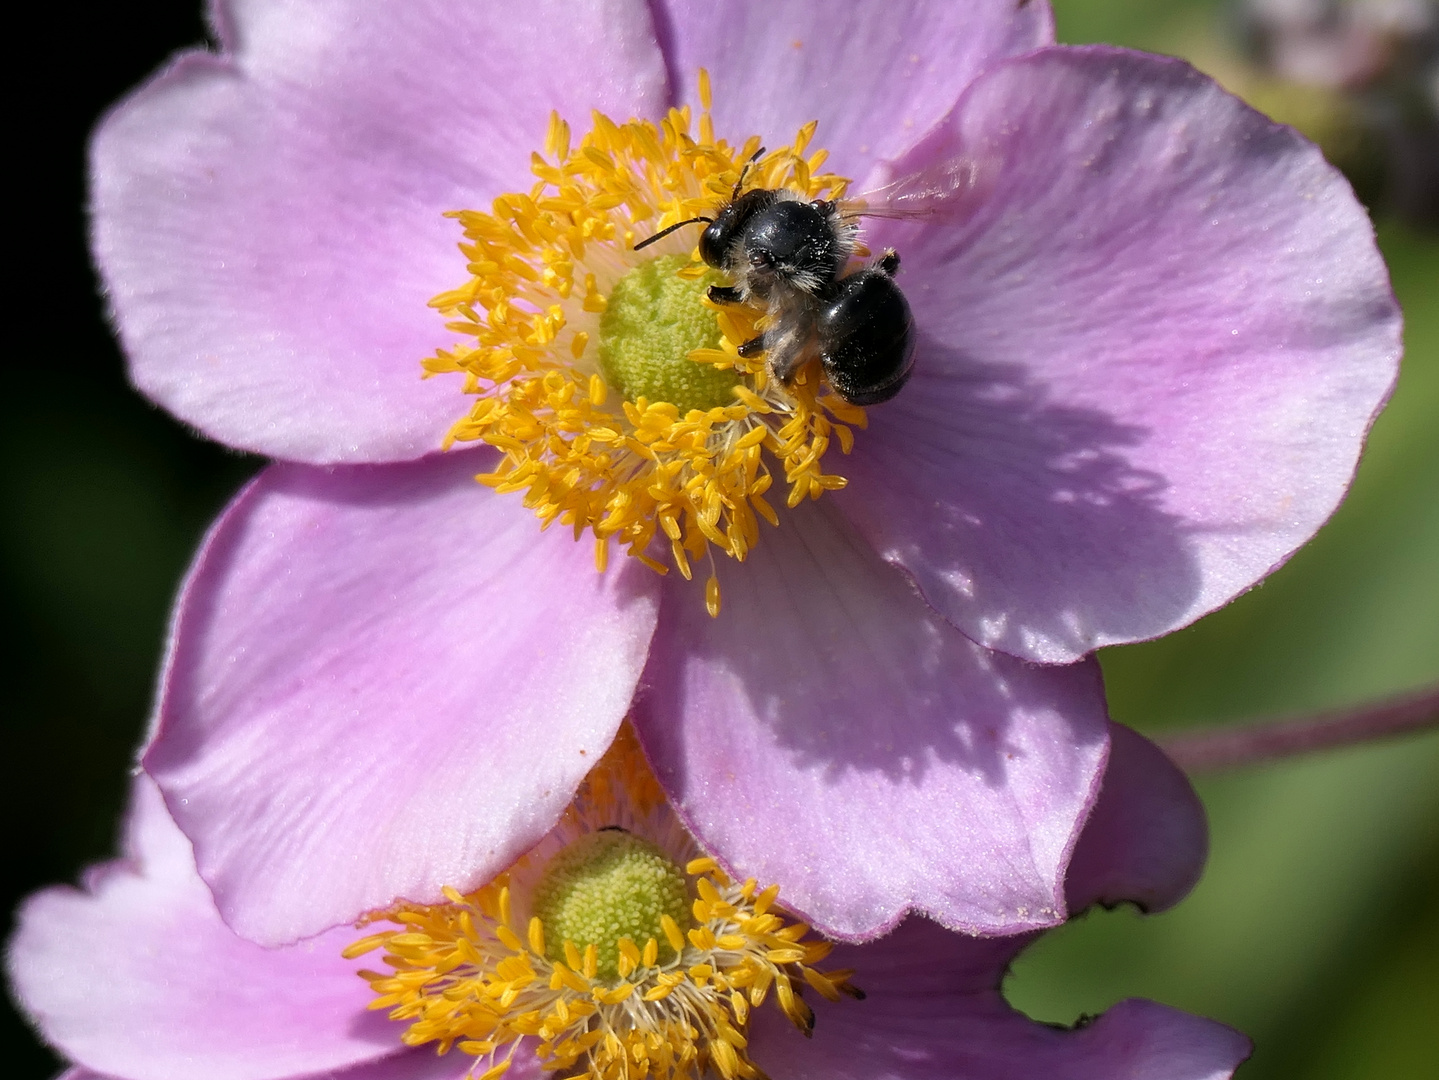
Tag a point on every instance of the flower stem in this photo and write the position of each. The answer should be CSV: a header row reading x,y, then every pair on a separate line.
x,y
1213,749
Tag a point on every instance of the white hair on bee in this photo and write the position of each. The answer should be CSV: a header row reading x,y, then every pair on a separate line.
x,y
790,256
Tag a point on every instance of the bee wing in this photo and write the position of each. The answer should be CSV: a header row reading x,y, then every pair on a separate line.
x,y
944,191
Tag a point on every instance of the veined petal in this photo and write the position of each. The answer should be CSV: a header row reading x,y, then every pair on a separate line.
x,y
384,681
1149,356
876,78
135,976
268,221
829,732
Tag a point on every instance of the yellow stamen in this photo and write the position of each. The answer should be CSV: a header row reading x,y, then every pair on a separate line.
x,y
465,976
544,264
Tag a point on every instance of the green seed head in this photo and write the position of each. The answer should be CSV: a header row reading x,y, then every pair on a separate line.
x,y
609,885
651,323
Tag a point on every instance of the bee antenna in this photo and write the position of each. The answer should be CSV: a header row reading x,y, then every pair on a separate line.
x,y
740,182
665,232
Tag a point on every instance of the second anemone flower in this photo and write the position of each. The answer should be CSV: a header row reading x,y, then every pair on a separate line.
x,y
1150,330
615,942
613,950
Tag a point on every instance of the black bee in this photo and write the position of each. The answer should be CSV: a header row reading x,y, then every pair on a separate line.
x,y
786,255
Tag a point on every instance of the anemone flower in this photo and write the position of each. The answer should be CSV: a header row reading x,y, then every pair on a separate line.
x,y
1150,327
615,948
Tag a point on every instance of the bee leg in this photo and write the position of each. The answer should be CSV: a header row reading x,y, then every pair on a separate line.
x,y
752,347
724,294
888,262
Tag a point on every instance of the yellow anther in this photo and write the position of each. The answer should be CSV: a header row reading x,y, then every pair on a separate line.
x,y
672,933
363,946
572,980
765,899
725,1058
785,956
630,951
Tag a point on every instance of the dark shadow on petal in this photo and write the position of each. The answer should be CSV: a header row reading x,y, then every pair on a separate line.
x,y
1020,518
376,1027
844,665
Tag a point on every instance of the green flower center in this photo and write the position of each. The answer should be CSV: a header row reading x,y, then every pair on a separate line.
x,y
609,885
652,321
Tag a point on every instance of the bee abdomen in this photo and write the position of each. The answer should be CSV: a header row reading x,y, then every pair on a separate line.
x,y
866,338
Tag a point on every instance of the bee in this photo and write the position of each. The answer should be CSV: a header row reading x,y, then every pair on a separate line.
x,y
788,256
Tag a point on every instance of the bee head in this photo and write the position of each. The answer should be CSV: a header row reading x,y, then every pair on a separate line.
x,y
795,243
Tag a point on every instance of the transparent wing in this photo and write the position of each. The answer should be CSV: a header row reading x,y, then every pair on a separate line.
x,y
945,191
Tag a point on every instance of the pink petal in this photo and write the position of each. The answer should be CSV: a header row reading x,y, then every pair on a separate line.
x,y
421,1063
1148,359
136,976
830,733
933,1011
1147,838
384,680
876,77
267,221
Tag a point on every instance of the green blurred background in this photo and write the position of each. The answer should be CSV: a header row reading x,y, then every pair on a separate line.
x,y
1316,928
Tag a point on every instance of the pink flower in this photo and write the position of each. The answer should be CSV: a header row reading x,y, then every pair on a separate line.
x,y
136,977
1152,331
